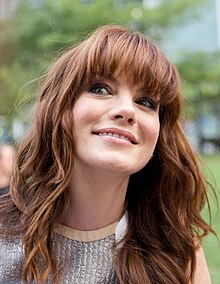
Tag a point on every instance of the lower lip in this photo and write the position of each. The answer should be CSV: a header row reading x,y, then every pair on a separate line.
x,y
116,140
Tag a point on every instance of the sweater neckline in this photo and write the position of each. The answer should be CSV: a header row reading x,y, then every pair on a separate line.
x,y
85,236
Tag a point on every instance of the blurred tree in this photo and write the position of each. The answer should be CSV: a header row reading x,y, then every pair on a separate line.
x,y
36,33
200,73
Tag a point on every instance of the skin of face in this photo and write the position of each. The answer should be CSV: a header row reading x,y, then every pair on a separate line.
x,y
6,164
115,125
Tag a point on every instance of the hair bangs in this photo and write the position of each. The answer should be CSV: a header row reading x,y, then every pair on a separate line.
x,y
121,53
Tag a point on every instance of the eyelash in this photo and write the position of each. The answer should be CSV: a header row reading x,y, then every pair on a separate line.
x,y
146,102
94,87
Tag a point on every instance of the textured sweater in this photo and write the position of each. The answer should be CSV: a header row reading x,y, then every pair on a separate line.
x,y
83,257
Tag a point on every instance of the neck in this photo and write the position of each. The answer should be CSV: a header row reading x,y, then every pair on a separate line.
x,y
96,200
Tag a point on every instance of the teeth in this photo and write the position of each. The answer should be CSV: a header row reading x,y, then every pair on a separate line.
x,y
123,137
114,135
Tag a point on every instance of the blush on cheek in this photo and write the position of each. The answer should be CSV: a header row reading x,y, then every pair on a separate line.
x,y
84,112
156,133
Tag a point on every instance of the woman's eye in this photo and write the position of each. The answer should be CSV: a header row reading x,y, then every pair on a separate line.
x,y
146,102
99,89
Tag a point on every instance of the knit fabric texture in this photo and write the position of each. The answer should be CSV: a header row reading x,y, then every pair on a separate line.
x,y
78,262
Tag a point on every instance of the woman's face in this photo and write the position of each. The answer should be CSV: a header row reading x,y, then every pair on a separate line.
x,y
6,160
116,126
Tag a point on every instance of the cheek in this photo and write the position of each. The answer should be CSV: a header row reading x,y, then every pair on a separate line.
x,y
85,113
82,113
152,129
156,131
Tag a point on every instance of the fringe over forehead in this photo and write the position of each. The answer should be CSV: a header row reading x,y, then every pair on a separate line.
x,y
115,51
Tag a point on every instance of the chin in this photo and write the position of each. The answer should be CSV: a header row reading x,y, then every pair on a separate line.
x,y
122,167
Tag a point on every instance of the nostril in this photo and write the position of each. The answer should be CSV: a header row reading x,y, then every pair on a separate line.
x,y
126,118
118,116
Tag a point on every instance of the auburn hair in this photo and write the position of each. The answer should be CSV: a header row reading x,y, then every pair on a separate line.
x,y
163,200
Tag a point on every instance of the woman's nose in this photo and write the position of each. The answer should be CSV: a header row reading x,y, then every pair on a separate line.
x,y
125,113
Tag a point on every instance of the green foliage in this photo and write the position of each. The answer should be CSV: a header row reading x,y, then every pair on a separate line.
x,y
212,244
34,35
13,78
201,73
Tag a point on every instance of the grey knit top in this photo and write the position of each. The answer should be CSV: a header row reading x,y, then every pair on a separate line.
x,y
83,257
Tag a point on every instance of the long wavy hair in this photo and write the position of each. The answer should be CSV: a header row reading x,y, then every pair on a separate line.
x,y
163,200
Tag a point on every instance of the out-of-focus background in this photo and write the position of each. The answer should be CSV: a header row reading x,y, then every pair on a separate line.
x,y
34,32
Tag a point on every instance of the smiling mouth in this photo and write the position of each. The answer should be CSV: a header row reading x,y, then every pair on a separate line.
x,y
118,136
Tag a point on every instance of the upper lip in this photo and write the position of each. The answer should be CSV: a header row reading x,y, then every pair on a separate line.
x,y
121,132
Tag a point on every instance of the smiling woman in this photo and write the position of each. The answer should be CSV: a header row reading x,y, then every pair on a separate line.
x,y
114,124
106,187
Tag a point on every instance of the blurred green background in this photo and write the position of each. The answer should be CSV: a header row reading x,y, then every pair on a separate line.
x,y
34,32
211,243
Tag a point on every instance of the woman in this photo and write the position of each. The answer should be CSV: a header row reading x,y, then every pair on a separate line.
x,y
107,188
7,154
